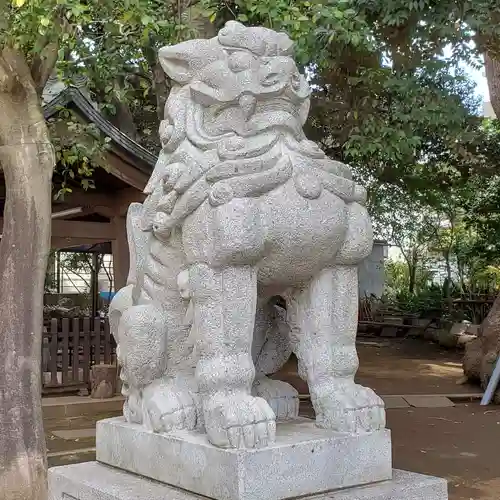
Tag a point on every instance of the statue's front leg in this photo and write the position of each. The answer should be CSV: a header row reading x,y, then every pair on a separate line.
x,y
324,316
224,313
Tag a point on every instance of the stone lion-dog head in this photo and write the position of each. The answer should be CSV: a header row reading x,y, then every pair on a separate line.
x,y
233,126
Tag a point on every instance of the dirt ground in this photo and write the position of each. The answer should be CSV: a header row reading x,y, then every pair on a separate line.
x,y
458,443
410,366
400,367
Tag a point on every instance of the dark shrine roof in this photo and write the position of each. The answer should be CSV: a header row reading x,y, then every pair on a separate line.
x,y
73,96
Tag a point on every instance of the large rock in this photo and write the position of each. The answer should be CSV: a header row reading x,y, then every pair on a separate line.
x,y
472,360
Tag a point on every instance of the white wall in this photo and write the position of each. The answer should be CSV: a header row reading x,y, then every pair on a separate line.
x,y
372,272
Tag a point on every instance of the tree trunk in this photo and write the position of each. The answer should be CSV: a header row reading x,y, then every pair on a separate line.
x,y
27,160
412,272
484,354
124,120
447,284
489,333
492,66
411,284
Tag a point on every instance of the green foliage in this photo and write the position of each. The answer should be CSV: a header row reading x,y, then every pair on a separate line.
x,y
79,151
321,30
386,99
397,278
111,43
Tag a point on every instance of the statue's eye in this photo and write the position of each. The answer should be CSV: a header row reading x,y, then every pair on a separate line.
x,y
270,79
295,80
240,61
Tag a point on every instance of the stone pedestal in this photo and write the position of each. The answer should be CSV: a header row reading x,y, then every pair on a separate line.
x,y
305,461
95,481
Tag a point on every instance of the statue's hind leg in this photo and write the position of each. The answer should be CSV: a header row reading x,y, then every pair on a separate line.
x,y
272,349
324,317
224,312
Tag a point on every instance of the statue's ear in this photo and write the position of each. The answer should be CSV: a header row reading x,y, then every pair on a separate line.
x,y
182,62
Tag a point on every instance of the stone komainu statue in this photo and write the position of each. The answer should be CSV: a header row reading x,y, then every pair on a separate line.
x,y
242,208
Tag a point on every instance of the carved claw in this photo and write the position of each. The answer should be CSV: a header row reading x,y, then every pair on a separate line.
x,y
239,421
348,407
132,410
168,408
281,397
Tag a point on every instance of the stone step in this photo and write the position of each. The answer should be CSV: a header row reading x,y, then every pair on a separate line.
x,y
67,457
95,480
76,406
75,434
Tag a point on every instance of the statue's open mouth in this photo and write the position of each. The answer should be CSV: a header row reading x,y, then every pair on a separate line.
x,y
231,118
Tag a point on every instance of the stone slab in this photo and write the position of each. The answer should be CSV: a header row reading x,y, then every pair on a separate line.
x,y
72,434
473,329
458,328
393,402
389,331
95,481
76,406
429,401
304,460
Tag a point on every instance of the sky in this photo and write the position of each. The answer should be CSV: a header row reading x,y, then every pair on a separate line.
x,y
481,84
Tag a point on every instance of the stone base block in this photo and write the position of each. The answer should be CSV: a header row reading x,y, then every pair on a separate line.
x,y
94,481
303,461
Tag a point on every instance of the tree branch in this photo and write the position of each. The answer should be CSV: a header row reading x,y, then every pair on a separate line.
x,y
8,76
137,73
44,64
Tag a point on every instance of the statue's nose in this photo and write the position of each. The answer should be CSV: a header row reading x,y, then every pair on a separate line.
x,y
247,103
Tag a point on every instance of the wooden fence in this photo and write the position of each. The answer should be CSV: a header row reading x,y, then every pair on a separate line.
x,y
70,348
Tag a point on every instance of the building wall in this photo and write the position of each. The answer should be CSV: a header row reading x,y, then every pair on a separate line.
x,y
372,272
79,283
488,110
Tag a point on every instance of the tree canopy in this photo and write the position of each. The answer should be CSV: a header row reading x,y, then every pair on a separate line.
x,y
390,94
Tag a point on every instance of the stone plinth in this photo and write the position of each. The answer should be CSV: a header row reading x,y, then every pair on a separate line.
x,y
303,461
94,481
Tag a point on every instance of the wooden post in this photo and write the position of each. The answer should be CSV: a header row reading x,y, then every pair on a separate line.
x,y
94,284
119,248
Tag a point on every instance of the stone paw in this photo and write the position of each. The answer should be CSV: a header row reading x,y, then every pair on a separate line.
x,y
239,421
132,408
168,407
348,407
282,397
